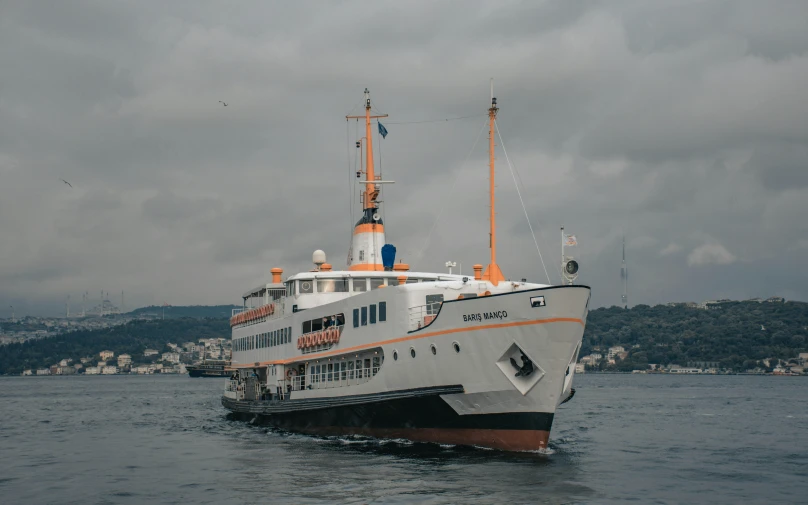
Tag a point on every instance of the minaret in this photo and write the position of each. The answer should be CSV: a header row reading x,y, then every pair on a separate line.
x,y
368,233
624,275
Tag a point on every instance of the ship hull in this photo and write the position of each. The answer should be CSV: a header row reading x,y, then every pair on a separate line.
x,y
505,363
420,419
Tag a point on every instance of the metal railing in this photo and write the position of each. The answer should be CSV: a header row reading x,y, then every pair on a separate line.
x,y
422,315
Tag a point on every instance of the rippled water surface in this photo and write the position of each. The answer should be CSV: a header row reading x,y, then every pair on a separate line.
x,y
164,439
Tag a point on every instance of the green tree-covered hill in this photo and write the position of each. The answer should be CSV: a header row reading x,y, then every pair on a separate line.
x,y
173,312
735,334
131,338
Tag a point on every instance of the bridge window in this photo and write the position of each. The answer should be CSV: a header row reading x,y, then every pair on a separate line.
x,y
356,318
364,316
382,312
410,280
305,286
376,282
372,314
360,285
332,285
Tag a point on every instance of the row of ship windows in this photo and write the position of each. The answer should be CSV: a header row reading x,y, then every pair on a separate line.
x,y
360,315
263,340
344,285
345,370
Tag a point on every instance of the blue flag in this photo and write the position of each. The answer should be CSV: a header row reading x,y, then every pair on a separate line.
x,y
382,131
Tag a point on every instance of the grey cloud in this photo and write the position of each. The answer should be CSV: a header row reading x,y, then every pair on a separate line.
x,y
679,123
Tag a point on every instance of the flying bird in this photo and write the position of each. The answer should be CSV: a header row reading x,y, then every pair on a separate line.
x,y
223,103
66,182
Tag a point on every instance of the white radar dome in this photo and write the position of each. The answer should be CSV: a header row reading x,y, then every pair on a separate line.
x,y
318,258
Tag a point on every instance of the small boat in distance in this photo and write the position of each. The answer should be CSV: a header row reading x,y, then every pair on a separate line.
x,y
209,368
379,350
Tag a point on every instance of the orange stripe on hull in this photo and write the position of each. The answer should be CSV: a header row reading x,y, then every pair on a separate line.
x,y
506,440
416,336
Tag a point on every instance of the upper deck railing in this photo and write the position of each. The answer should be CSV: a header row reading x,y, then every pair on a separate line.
x,y
422,315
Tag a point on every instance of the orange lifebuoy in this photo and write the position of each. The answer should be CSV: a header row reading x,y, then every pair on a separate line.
x,y
298,343
336,335
320,337
309,340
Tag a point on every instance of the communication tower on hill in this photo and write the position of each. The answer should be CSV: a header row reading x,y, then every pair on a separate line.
x,y
624,276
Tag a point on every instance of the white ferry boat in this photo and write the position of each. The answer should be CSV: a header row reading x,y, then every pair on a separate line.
x,y
379,350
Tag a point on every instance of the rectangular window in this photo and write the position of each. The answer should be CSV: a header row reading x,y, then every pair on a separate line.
x,y
356,318
305,286
332,286
350,370
359,369
382,312
364,316
306,326
412,281
433,303
360,285
272,341
376,282
288,334
330,372
376,365
316,324
372,314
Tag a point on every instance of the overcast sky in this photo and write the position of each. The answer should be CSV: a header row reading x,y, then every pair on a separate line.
x,y
683,124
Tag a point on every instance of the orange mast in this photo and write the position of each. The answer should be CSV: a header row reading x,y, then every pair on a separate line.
x,y
371,193
492,273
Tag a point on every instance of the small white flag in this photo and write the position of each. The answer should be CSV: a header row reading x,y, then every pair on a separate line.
x,y
570,240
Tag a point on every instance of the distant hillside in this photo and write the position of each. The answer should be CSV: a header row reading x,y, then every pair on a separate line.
x,y
179,311
132,338
736,334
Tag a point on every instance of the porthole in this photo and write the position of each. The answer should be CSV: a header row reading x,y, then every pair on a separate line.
x,y
434,349
412,352
395,355
456,346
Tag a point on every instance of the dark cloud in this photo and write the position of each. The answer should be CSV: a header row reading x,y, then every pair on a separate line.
x,y
681,124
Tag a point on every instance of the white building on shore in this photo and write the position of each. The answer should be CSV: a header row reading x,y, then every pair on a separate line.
x,y
109,370
92,370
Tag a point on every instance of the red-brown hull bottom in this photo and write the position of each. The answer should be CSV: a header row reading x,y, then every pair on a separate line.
x,y
506,440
